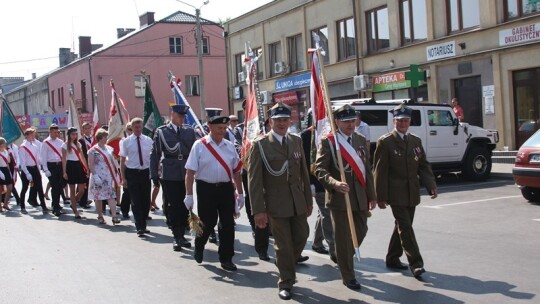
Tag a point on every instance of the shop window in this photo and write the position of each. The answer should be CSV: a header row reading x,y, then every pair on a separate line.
x,y
192,85
175,45
346,39
462,14
323,36
296,53
377,29
519,8
274,53
413,20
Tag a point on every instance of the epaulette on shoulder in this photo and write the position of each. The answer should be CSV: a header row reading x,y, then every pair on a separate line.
x,y
385,136
294,134
162,127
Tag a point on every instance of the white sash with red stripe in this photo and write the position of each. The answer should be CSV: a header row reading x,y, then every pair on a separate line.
x,y
30,154
53,148
220,160
351,157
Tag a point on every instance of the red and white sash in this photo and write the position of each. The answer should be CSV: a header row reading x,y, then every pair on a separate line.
x,y
112,169
54,149
220,160
31,155
6,161
76,151
351,157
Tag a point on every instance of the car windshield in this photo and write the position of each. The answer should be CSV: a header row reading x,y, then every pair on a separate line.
x,y
533,141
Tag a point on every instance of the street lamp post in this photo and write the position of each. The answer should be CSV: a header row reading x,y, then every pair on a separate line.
x,y
199,43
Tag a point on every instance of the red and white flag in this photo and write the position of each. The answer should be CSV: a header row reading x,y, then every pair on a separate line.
x,y
95,123
251,116
118,117
73,118
321,124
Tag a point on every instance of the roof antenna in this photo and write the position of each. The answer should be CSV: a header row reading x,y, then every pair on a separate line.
x,y
136,8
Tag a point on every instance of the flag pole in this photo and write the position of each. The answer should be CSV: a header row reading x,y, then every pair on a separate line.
x,y
330,116
118,107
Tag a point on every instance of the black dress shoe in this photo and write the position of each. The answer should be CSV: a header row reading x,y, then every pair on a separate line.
x,y
140,232
417,272
176,245
183,242
228,266
302,259
146,230
213,238
198,255
23,211
321,250
263,256
397,265
148,218
333,258
125,216
285,294
45,210
352,284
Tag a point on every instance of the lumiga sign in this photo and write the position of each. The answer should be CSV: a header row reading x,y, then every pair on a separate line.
x,y
440,51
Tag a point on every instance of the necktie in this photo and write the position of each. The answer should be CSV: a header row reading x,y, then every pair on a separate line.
x,y
140,150
349,140
405,137
177,131
283,141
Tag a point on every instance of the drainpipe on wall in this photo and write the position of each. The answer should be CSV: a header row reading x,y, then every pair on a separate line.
x,y
25,102
230,105
357,56
91,83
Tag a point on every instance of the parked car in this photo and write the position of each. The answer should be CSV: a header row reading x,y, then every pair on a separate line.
x,y
527,168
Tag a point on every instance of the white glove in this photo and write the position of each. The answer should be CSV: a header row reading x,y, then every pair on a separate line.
x,y
97,180
2,176
241,200
312,189
236,210
29,177
188,201
47,173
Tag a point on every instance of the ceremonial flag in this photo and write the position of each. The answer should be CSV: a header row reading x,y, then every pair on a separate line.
x,y
118,117
9,127
73,118
95,123
179,98
251,115
321,125
151,117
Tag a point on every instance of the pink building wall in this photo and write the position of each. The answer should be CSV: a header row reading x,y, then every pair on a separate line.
x,y
148,50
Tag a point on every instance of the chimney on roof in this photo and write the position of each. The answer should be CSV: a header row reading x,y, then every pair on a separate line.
x,y
85,46
66,56
146,19
33,75
121,32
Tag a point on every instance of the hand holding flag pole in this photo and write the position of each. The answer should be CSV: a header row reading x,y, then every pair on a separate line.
x,y
328,105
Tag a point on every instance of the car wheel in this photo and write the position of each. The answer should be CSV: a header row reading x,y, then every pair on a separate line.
x,y
477,166
531,194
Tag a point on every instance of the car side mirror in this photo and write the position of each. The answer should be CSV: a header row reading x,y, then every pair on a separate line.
x,y
456,124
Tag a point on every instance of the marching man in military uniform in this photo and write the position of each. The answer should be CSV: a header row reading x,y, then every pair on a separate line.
x,y
215,165
172,143
400,161
280,192
358,186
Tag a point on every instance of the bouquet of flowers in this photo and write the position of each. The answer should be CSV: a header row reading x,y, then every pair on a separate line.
x,y
196,226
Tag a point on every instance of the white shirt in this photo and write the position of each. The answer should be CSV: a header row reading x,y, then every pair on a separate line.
x,y
130,151
14,151
25,160
363,129
70,155
207,168
47,153
87,141
277,136
2,162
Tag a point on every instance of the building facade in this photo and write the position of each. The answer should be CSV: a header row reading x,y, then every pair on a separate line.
x,y
485,53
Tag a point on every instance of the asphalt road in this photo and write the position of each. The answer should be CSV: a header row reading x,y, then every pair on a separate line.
x,y
479,242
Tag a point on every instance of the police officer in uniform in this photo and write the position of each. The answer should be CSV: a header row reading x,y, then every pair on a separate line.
x,y
278,182
172,143
215,165
358,186
400,161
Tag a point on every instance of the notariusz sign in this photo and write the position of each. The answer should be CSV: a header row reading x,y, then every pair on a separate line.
x,y
440,51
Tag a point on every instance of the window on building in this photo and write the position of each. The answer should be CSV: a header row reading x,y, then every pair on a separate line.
x,y
206,45
51,102
140,85
258,52
323,36
176,45
462,14
413,20
346,39
377,29
519,8
274,53
192,85
239,63
296,53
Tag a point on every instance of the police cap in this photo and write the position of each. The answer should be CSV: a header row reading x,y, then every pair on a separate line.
x,y
211,112
280,110
216,120
181,109
401,111
344,113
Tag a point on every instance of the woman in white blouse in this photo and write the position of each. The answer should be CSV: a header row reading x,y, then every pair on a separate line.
x,y
104,178
6,179
74,168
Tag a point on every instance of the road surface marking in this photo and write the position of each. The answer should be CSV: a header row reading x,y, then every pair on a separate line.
x,y
471,202
473,184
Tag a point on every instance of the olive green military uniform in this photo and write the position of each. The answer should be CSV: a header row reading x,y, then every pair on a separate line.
x,y
327,172
399,166
285,196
